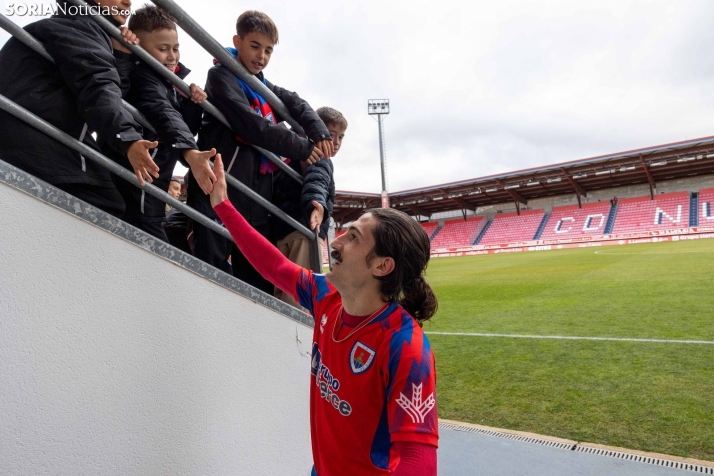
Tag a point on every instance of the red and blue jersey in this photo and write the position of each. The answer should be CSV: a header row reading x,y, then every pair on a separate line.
x,y
368,390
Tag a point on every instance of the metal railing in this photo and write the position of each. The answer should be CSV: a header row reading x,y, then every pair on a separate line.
x,y
69,141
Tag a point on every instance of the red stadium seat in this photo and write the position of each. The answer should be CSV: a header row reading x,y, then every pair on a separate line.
x,y
510,227
458,232
430,227
571,221
666,211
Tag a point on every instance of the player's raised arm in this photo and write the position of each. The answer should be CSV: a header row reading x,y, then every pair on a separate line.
x,y
264,257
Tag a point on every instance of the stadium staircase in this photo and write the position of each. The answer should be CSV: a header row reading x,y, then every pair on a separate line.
x,y
542,225
431,228
694,209
706,198
483,232
611,217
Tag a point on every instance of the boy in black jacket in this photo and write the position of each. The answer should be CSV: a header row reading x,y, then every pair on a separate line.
x,y
175,118
310,204
255,123
80,94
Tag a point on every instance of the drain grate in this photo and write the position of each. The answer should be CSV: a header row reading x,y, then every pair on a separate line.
x,y
508,436
647,459
583,449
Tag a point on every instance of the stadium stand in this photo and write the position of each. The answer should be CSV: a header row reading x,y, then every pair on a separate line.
x,y
509,227
571,221
431,228
458,232
706,207
669,210
542,225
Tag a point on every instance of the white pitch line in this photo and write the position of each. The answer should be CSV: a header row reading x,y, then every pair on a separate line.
x,y
619,339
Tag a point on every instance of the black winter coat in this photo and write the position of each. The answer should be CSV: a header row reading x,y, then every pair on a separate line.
x,y
296,200
175,118
242,161
80,94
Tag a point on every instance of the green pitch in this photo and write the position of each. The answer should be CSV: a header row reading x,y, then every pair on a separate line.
x,y
641,395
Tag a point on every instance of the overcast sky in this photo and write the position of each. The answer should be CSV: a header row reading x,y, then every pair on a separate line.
x,y
483,87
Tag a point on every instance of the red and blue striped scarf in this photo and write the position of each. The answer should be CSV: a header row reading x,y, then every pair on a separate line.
x,y
260,106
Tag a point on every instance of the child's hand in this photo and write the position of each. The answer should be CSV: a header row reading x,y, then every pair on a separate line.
x,y
128,36
140,160
220,188
201,168
315,156
327,148
197,94
317,215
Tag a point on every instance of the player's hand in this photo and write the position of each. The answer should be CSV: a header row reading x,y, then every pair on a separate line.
x,y
317,215
315,156
141,161
219,194
327,148
128,37
201,167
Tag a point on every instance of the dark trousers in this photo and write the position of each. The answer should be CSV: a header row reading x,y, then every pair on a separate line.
x,y
145,211
216,251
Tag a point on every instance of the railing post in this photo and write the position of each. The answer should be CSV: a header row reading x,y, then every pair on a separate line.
x,y
315,252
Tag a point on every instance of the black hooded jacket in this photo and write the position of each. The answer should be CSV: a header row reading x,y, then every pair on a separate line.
x,y
296,200
175,118
242,161
80,94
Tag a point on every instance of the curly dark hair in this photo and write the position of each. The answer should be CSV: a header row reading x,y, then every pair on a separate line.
x,y
398,236
150,18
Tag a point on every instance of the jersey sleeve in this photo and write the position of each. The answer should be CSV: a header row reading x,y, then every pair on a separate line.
x,y
311,290
411,390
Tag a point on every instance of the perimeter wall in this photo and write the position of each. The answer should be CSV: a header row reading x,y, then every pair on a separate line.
x,y
115,359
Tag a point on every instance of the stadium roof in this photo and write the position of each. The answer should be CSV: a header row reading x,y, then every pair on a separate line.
x,y
649,165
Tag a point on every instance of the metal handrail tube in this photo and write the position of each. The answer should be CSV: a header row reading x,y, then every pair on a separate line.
x,y
32,43
114,32
203,38
43,126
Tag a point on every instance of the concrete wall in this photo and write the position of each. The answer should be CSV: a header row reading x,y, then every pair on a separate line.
x,y
116,360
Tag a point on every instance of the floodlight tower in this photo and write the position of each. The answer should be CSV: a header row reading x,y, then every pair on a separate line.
x,y
379,108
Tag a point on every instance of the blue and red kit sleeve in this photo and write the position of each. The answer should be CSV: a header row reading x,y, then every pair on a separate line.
x,y
411,386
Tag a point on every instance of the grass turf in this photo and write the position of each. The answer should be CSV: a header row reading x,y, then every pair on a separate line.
x,y
648,396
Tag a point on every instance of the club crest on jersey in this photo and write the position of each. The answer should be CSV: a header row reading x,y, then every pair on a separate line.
x,y
361,357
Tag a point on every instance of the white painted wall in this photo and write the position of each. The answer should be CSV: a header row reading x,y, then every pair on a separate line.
x,y
116,361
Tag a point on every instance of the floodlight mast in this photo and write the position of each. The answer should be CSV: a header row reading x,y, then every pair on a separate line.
x,y
379,108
